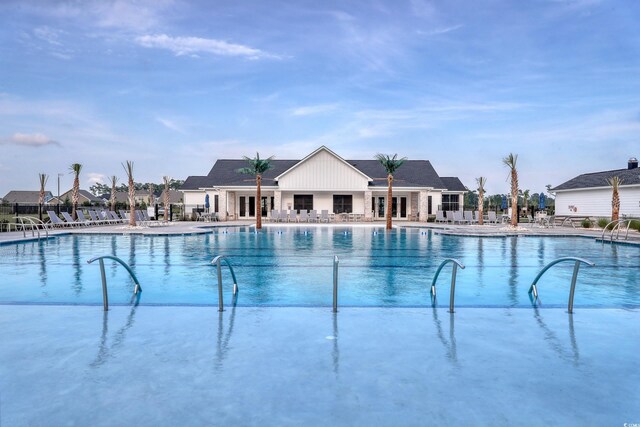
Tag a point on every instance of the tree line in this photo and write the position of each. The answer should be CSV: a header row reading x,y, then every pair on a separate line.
x,y
99,188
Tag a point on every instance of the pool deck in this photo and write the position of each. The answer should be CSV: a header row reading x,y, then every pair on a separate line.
x,y
189,227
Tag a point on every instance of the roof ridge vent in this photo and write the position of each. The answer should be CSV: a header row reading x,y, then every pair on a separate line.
x,y
633,163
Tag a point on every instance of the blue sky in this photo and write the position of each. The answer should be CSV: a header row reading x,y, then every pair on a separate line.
x,y
174,85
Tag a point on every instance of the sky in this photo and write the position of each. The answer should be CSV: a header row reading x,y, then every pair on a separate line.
x,y
174,85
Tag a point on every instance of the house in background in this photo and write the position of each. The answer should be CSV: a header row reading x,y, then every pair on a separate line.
x,y
325,181
27,197
589,194
84,197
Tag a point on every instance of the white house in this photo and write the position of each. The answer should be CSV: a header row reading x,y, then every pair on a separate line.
x,y
589,194
325,181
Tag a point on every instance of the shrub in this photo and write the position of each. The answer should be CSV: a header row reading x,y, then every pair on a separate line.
x,y
602,222
635,224
586,223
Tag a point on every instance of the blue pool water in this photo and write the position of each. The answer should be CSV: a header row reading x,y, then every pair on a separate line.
x,y
294,267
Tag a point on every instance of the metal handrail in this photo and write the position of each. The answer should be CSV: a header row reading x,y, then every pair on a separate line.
x,y
36,222
570,221
533,288
618,226
105,298
218,263
617,223
456,264
335,283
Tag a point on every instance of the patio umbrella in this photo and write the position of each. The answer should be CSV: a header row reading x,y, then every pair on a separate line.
x,y
206,202
504,202
541,201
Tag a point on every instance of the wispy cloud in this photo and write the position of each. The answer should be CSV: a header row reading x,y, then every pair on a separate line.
x,y
29,140
170,124
313,109
194,45
94,178
49,35
442,30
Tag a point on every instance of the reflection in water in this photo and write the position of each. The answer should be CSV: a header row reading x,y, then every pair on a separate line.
x,y
223,339
556,343
167,263
114,252
105,351
75,261
513,276
336,350
43,263
450,344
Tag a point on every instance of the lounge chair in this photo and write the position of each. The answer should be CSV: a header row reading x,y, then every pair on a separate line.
x,y
476,217
324,215
273,217
468,217
492,218
84,219
457,217
313,216
114,216
440,216
106,218
284,217
450,217
56,221
124,214
304,217
70,220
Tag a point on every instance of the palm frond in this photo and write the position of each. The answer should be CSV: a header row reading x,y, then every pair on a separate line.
x,y
389,163
257,166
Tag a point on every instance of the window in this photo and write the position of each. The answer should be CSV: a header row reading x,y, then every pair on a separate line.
x,y
430,204
450,202
215,203
243,206
302,202
342,203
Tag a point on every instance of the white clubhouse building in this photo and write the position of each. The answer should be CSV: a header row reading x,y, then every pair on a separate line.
x,y
590,195
325,181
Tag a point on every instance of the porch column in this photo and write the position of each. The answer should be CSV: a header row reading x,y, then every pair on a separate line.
x,y
423,202
368,208
277,200
222,205
231,204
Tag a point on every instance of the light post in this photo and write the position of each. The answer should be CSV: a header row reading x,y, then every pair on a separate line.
x,y
58,204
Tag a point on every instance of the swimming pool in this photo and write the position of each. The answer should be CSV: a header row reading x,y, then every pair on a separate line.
x,y
293,267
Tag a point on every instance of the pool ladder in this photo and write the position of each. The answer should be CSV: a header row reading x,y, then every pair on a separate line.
x,y
454,272
217,261
105,297
615,230
534,289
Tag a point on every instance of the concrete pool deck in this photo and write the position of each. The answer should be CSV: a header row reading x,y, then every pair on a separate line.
x,y
168,366
191,227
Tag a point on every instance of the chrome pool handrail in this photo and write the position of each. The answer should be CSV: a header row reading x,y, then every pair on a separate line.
x,y
617,226
217,261
456,264
105,297
533,288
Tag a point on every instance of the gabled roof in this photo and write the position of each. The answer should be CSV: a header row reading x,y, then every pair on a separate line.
x,y
83,195
325,149
453,183
28,196
599,179
413,173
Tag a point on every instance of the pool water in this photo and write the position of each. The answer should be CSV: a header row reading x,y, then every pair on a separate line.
x,y
294,267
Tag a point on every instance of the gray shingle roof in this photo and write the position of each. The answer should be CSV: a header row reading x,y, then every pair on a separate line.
x,y
413,173
599,179
25,196
453,183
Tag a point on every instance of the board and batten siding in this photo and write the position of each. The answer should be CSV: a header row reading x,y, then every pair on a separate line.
x,y
597,202
323,172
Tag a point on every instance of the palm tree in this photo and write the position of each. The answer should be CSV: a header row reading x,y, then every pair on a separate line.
x,y
390,165
615,182
128,168
482,181
43,178
257,167
75,194
112,199
510,162
165,196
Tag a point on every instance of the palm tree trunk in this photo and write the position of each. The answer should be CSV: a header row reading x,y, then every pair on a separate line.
x,y
389,198
514,197
480,207
132,202
615,205
258,202
75,197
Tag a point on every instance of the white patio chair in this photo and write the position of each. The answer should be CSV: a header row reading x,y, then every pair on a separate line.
x,y
324,215
468,217
304,216
313,215
440,216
